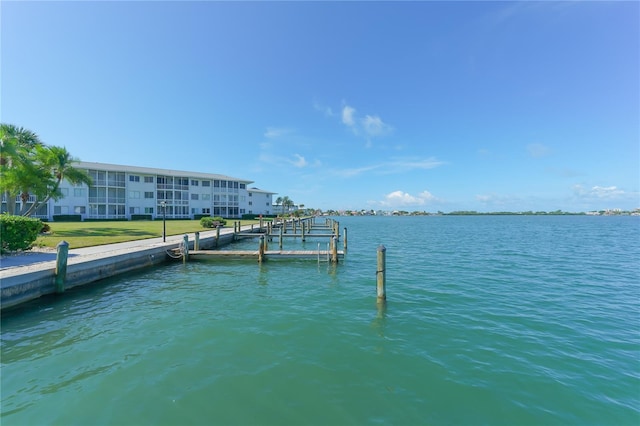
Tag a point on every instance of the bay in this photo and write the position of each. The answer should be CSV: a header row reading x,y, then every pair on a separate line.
x,y
488,320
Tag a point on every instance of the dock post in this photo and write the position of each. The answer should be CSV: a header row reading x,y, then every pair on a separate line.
x,y
334,249
61,265
217,235
302,230
185,253
196,244
261,249
280,242
293,224
345,238
381,274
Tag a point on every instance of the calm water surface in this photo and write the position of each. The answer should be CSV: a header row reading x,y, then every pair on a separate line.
x,y
489,320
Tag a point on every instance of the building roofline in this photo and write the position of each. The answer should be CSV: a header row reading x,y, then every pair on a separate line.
x,y
155,171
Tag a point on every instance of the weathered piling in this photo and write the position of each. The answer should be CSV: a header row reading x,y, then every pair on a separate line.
x,y
334,249
261,249
280,239
61,265
196,243
345,238
185,248
381,274
217,235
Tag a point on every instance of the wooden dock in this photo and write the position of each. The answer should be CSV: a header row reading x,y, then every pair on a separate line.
x,y
315,254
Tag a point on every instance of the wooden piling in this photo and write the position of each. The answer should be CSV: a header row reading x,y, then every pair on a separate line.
x,y
334,249
196,244
185,252
61,265
217,235
381,274
280,242
345,238
261,249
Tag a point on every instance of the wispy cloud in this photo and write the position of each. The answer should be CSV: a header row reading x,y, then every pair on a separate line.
x,y
538,150
374,126
394,166
277,132
326,110
299,161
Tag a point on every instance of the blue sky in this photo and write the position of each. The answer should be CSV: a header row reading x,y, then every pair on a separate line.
x,y
427,106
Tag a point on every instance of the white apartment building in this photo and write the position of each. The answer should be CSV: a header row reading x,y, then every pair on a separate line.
x,y
120,192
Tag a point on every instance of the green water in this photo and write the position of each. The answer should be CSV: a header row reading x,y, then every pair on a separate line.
x,y
489,320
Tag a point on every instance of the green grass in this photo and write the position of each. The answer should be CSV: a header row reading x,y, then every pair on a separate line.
x,y
87,234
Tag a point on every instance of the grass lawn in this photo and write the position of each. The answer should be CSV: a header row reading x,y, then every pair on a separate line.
x,y
87,234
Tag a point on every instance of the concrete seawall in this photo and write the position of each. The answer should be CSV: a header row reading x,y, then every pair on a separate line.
x,y
24,283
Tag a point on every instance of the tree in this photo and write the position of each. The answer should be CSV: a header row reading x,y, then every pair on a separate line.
x,y
57,162
17,146
279,202
29,167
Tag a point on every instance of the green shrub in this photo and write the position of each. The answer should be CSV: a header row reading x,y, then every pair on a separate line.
x,y
141,217
18,232
212,222
67,218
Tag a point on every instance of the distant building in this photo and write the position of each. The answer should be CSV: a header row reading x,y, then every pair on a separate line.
x,y
119,192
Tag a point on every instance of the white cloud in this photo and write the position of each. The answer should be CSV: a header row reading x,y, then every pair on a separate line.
x,y
602,192
348,116
374,126
299,161
404,199
537,150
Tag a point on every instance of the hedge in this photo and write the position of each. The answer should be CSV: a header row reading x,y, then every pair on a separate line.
x,y
67,218
141,217
18,232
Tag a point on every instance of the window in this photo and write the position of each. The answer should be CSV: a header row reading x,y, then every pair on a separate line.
x,y
148,194
60,209
148,179
134,178
194,196
134,210
134,194
223,183
79,209
250,203
206,196
216,184
243,186
148,210
78,192
206,183
267,203
206,211
161,180
194,182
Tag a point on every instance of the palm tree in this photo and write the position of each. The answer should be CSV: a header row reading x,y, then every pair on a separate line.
x,y
286,202
57,164
17,169
279,202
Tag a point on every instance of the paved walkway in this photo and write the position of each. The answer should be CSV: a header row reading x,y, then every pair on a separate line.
x,y
38,256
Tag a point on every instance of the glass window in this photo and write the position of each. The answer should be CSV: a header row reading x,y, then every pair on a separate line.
x,y
194,196
194,182
148,179
206,183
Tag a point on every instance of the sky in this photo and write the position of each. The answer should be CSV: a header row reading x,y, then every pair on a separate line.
x,y
416,106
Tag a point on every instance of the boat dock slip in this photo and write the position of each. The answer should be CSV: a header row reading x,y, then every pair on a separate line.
x,y
312,254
